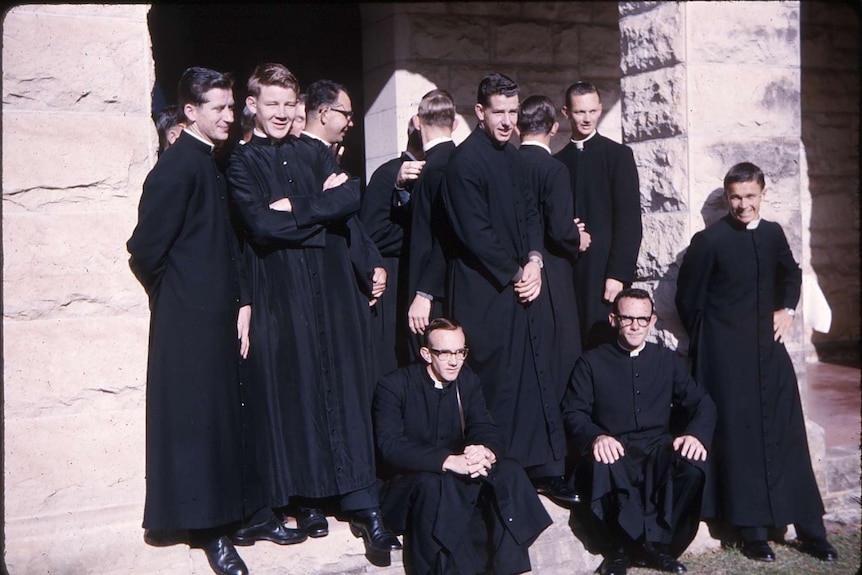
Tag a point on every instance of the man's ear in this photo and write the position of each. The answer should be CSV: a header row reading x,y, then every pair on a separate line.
x,y
554,129
191,112
416,123
612,319
565,111
251,102
426,355
480,112
455,124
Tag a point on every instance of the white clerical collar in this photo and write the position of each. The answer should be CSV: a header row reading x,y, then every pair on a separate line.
x,y
199,138
436,141
752,225
259,134
579,144
437,383
535,143
633,352
316,137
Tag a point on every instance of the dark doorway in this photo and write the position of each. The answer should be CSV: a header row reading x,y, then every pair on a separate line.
x,y
313,40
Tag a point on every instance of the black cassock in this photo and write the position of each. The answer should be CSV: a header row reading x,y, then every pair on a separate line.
x,y
497,225
548,179
731,281
185,254
429,239
311,364
604,180
630,399
385,215
417,427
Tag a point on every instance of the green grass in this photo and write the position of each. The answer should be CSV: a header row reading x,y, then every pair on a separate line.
x,y
788,561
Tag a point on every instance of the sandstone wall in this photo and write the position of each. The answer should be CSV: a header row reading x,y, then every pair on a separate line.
x,y
77,143
409,49
830,135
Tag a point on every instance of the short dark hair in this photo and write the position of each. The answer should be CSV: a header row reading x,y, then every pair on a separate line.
x,y
537,115
196,82
246,120
496,84
271,74
414,136
437,324
166,119
437,108
633,293
744,172
580,88
301,98
321,93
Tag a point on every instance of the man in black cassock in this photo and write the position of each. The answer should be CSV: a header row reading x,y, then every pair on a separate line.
x,y
385,214
463,508
565,236
644,484
737,292
429,235
185,254
495,284
309,389
604,181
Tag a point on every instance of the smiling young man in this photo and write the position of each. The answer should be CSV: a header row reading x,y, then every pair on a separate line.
x,y
496,284
737,292
447,477
604,181
185,254
644,483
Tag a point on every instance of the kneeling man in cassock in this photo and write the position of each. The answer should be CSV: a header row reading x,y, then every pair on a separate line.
x,y
644,484
462,507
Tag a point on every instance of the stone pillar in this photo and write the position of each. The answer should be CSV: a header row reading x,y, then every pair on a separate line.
x,y
77,143
707,85
409,49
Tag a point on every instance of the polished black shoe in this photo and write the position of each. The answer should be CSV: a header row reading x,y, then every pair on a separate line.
x,y
556,489
654,558
369,525
312,521
270,530
818,548
758,550
223,558
614,565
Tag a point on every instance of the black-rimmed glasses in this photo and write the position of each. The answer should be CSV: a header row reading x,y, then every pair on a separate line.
x,y
446,355
346,113
627,320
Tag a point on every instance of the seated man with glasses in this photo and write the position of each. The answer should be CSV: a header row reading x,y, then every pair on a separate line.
x,y
644,482
462,507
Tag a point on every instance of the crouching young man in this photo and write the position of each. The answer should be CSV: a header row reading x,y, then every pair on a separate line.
x,y
462,507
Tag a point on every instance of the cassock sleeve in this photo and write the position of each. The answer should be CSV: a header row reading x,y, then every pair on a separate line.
x,y
558,211
395,447
433,277
382,219
161,214
465,197
480,426
627,228
578,408
694,399
691,286
788,276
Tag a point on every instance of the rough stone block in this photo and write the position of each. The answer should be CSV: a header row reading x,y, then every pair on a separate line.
x,y
656,40
599,48
842,468
604,12
627,9
566,51
557,11
523,42
66,464
105,174
421,7
665,237
134,12
830,92
73,366
58,267
830,47
495,9
663,171
536,80
448,38
655,104
750,33
463,83
668,329
55,62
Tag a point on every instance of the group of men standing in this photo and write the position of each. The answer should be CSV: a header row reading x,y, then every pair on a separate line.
x,y
281,294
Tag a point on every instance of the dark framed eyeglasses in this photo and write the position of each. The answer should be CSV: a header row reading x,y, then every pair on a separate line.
x,y
348,114
446,355
627,320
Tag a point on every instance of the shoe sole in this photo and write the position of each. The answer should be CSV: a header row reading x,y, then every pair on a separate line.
x,y
368,546
243,542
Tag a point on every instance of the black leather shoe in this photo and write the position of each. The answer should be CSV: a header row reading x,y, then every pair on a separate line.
x,y
614,565
223,558
556,489
270,530
312,521
819,548
758,550
654,558
369,525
